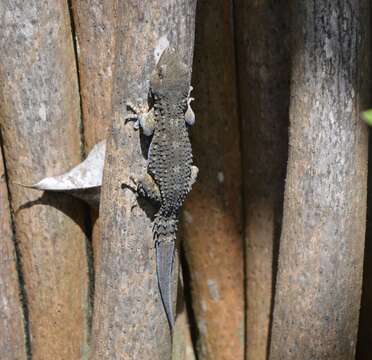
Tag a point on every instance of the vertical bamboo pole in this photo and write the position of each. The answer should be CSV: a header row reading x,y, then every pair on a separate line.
x,y
40,121
363,349
321,250
95,33
129,320
212,217
12,322
262,57
94,25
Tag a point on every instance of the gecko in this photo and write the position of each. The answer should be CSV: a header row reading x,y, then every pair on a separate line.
x,y
170,172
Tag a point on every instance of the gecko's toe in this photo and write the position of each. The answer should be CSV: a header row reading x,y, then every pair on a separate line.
x,y
137,123
132,187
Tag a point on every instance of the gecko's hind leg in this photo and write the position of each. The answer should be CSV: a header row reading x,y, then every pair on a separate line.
x,y
189,114
146,187
146,121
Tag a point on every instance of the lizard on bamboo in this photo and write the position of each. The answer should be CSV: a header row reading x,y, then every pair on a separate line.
x,y
170,173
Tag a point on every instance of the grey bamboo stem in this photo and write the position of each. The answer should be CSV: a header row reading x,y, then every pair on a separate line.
x,y
263,65
213,212
40,120
321,251
129,320
12,321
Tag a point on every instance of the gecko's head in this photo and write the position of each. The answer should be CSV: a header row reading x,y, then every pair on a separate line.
x,y
170,78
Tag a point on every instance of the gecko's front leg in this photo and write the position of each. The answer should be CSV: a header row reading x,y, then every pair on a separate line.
x,y
146,187
144,120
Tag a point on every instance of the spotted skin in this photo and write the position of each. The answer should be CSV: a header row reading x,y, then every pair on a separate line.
x,y
170,170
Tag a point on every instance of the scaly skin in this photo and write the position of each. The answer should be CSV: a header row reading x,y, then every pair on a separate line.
x,y
170,170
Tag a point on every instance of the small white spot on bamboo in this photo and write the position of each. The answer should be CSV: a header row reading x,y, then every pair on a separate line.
x,y
220,177
42,112
188,217
27,29
204,306
213,289
202,326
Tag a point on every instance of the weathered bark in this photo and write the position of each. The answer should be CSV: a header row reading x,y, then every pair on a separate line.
x,y
12,335
94,22
321,251
95,32
363,350
40,119
212,216
262,58
129,320
182,344
182,347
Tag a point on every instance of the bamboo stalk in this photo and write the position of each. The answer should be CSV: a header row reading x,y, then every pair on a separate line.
x,y
263,64
213,212
95,23
95,35
321,250
129,320
12,321
363,349
40,121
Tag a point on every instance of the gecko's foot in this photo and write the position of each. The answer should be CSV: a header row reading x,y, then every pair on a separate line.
x,y
144,188
146,120
147,188
132,187
189,114
132,114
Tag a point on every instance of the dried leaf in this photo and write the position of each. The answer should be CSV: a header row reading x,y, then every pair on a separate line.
x,y
83,181
88,174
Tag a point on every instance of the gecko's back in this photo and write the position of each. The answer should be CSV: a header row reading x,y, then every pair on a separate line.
x,y
170,156
170,161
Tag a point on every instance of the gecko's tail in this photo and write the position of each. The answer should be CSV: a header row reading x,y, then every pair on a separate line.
x,y
165,243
